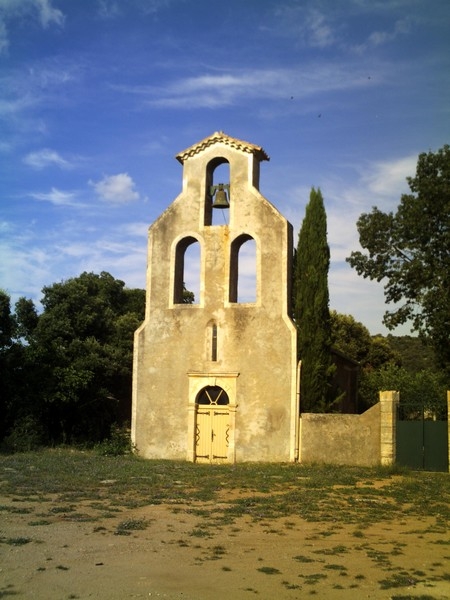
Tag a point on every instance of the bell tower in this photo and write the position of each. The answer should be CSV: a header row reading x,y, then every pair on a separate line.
x,y
214,380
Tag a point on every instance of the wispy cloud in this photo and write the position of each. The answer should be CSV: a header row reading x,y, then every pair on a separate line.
x,y
46,158
41,10
112,9
238,86
307,24
379,38
116,189
108,9
57,197
387,179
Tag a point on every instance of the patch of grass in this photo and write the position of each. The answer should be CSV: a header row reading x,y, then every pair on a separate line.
x,y
313,578
398,580
333,567
126,527
39,523
269,570
16,541
218,552
303,559
19,510
61,509
200,533
332,551
409,597
327,494
358,533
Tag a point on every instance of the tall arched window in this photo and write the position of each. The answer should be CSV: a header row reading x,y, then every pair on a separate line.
x,y
217,172
187,272
243,279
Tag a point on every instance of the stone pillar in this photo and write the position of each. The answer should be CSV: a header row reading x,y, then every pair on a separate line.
x,y
388,421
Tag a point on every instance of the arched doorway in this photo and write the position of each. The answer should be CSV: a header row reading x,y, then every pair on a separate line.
x,y
212,425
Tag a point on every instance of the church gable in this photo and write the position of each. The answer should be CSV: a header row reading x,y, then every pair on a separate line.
x,y
228,349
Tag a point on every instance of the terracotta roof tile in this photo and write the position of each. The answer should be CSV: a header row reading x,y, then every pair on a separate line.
x,y
221,137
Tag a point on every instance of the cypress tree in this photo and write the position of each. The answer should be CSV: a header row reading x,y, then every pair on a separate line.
x,y
311,307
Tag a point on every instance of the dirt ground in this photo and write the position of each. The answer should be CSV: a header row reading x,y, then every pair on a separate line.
x,y
47,554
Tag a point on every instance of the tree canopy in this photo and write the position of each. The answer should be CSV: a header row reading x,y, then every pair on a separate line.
x,y
311,306
354,340
70,366
410,251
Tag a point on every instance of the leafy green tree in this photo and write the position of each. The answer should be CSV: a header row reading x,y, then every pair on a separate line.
x,y
371,352
410,251
425,388
78,357
311,309
416,354
7,328
188,296
350,337
16,403
6,341
26,318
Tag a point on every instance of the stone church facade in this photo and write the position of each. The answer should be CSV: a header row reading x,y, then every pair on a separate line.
x,y
215,380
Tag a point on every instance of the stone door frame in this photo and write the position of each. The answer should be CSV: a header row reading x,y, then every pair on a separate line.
x,y
198,381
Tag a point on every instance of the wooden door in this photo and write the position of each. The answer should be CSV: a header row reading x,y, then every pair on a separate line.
x,y
212,434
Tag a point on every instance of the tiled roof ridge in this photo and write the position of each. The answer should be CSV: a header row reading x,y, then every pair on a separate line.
x,y
220,136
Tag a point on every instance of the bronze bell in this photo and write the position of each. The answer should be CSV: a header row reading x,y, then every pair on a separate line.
x,y
220,198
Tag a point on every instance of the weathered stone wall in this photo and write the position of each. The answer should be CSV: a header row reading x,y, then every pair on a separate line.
x,y
361,440
341,439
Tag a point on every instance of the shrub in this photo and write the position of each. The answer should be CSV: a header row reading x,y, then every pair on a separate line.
x,y
118,443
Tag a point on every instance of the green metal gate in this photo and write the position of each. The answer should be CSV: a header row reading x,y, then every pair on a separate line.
x,y
422,437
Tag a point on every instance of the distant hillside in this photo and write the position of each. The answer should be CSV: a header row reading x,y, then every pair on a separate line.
x,y
415,354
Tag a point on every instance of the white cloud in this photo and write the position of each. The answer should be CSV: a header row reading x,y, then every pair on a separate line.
x,y
388,178
108,9
116,189
136,229
24,266
320,32
4,41
57,197
112,9
45,158
235,87
378,38
47,13
307,25
42,10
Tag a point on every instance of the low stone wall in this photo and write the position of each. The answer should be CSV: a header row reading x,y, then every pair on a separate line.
x,y
341,439
360,440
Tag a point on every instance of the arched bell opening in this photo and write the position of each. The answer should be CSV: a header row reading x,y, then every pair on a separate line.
x,y
217,201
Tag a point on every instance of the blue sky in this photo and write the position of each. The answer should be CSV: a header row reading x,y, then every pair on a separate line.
x,y
98,96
